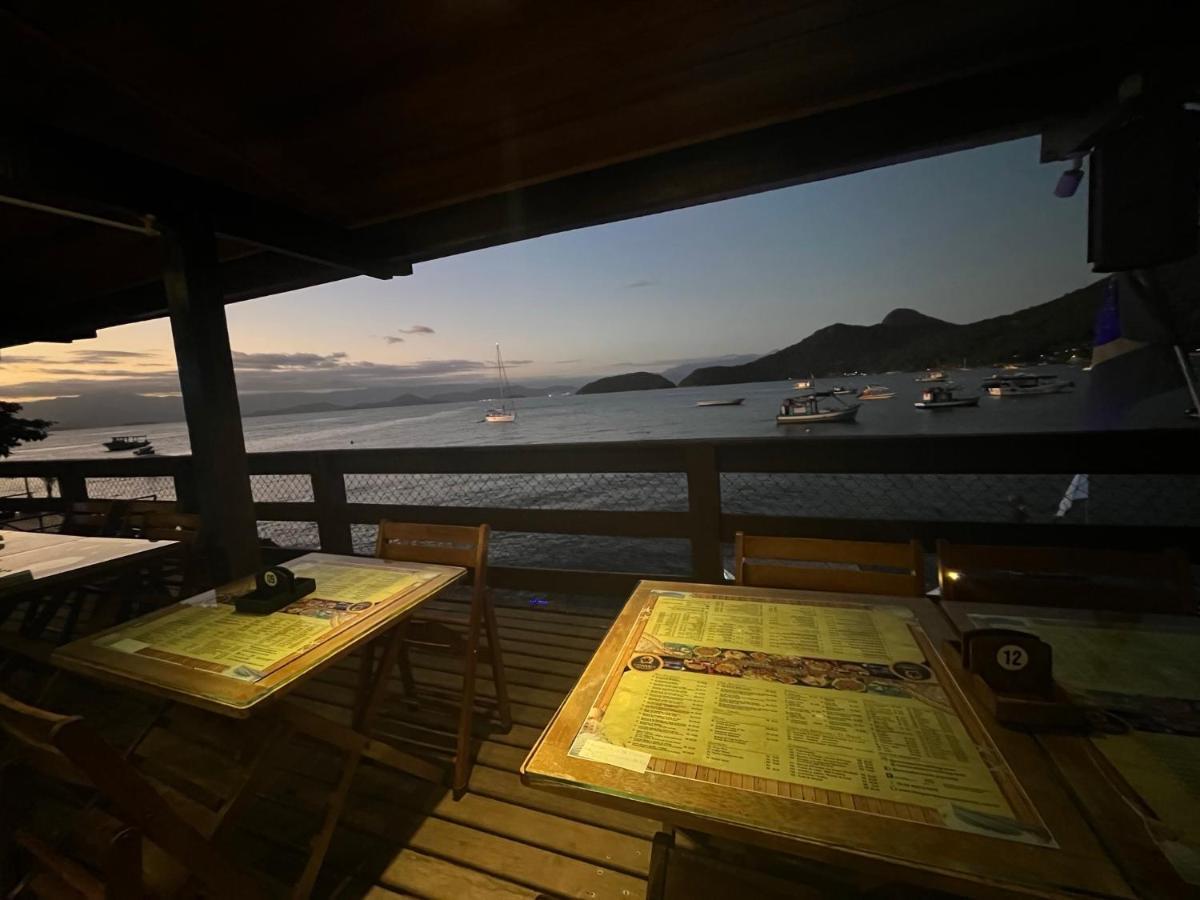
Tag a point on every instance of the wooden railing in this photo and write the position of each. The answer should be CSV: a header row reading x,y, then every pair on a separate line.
x,y
700,515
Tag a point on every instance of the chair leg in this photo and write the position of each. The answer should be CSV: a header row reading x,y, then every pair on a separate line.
x,y
463,757
404,665
503,708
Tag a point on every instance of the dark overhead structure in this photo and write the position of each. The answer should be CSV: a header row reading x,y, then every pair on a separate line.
x,y
169,161
323,141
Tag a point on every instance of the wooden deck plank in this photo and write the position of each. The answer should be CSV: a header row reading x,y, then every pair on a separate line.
x,y
570,837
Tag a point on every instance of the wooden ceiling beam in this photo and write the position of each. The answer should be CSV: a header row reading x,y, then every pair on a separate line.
x,y
58,172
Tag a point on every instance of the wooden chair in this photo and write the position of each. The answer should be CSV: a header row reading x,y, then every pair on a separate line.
x,y
112,832
864,567
455,545
1069,577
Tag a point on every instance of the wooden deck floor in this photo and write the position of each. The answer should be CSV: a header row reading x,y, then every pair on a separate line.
x,y
399,836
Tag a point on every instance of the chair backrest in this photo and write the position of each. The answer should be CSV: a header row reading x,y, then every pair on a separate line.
x,y
1068,577
864,567
65,749
156,522
93,518
447,545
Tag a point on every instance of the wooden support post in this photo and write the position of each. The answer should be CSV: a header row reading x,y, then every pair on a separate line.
x,y
72,486
704,511
329,493
222,479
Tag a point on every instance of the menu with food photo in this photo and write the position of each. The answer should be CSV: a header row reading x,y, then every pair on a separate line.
x,y
830,703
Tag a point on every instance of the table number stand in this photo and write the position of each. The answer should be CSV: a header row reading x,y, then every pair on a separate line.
x,y
1012,674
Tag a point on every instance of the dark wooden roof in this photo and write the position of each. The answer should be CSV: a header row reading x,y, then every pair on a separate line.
x,y
364,137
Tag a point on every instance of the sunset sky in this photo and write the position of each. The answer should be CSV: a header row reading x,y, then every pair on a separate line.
x,y
961,237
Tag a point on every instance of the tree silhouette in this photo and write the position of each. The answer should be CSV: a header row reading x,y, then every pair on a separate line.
x,y
14,431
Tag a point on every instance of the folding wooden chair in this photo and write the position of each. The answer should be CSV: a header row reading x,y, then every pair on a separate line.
x,y
1070,577
185,574
862,567
98,828
456,545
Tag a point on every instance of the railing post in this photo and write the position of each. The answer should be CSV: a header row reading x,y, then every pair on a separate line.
x,y
704,511
72,486
329,494
185,484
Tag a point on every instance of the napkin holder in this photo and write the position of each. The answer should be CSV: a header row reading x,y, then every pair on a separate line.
x,y
1011,673
274,588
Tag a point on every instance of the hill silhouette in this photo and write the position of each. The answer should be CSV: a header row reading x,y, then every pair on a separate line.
x,y
907,340
632,381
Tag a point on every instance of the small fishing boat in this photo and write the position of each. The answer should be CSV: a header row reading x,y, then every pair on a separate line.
x,y
506,411
806,408
127,442
841,390
931,375
876,392
737,402
942,397
804,384
148,450
1024,384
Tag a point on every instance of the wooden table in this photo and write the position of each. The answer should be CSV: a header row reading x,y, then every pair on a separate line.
x,y
55,559
204,654
58,564
816,678
1137,777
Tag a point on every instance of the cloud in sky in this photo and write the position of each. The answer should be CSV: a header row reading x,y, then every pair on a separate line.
x,y
258,372
417,329
640,283
392,339
18,360
286,362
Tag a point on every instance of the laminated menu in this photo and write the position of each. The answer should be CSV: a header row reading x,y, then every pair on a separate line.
x,y
828,703
208,634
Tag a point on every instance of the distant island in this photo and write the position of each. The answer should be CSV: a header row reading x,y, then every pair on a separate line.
x,y
633,381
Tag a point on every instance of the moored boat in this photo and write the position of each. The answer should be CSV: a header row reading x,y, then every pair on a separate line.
x,y
148,450
804,384
876,392
931,375
506,411
941,396
127,442
841,390
806,408
737,402
1024,384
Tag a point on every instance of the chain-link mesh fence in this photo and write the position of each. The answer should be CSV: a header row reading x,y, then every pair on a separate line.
x,y
29,487
292,535
141,487
289,488
627,491
1165,500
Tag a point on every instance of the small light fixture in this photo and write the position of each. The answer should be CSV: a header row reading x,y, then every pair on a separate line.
x,y
1068,181
954,576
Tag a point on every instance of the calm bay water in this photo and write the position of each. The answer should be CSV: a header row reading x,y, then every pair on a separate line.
x,y
669,414
639,415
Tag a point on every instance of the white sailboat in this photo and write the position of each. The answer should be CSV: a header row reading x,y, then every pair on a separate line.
x,y
507,410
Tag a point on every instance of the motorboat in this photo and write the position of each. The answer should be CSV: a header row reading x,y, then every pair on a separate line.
x,y
1024,384
126,442
804,384
737,402
931,375
841,390
507,410
806,408
941,396
876,392
148,450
